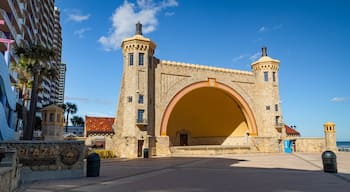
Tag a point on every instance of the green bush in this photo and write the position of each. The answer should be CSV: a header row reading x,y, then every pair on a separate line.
x,y
104,154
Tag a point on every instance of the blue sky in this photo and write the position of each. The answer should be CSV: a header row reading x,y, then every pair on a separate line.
x,y
310,38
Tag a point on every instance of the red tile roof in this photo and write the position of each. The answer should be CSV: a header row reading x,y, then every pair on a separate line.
x,y
291,131
99,125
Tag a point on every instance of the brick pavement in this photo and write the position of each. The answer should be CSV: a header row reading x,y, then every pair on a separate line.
x,y
239,172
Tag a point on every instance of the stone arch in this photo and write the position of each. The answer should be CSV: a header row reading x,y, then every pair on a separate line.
x,y
246,109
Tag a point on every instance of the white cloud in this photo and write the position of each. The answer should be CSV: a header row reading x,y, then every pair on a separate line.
x,y
169,13
97,114
80,33
339,99
262,29
89,100
276,27
254,56
77,17
240,57
127,15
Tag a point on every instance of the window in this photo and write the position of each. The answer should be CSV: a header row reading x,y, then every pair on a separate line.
x,y
274,76
140,115
141,58
52,117
276,107
277,120
140,99
267,107
131,58
129,99
266,76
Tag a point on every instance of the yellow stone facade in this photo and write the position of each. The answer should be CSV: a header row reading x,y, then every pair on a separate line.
x,y
166,104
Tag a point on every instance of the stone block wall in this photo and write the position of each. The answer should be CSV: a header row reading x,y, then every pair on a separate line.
x,y
310,144
10,170
49,159
264,144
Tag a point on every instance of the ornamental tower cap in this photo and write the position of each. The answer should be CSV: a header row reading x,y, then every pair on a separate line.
x,y
138,28
264,51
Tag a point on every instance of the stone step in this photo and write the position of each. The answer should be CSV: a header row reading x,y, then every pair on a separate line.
x,y
209,149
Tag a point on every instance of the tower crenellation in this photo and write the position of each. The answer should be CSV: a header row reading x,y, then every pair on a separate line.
x,y
330,136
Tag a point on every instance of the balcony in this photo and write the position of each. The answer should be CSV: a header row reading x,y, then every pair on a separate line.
x,y
8,24
141,122
279,126
16,17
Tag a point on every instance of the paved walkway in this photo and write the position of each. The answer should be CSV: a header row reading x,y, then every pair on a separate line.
x,y
239,172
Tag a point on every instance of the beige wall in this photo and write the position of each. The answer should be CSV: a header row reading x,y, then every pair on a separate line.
x,y
310,144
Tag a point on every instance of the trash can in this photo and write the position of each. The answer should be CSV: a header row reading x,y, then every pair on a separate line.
x,y
329,160
145,153
93,165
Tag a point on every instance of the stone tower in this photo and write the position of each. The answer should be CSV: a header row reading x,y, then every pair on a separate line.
x,y
134,124
267,95
329,131
52,123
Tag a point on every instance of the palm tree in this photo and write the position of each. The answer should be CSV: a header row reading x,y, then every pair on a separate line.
x,y
24,84
36,58
77,121
69,108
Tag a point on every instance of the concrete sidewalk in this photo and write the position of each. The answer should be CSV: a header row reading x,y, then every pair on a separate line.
x,y
238,172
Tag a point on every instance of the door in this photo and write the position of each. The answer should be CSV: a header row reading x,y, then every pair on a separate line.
x,y
183,139
139,148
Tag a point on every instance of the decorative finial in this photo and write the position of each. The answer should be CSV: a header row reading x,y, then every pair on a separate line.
x,y
264,51
138,28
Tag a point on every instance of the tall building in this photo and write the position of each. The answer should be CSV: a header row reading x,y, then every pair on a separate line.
x,y
33,21
57,94
61,84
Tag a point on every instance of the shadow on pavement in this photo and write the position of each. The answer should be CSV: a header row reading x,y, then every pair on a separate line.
x,y
196,174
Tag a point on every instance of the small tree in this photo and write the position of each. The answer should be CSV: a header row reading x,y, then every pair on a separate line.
x,y
77,121
69,108
35,57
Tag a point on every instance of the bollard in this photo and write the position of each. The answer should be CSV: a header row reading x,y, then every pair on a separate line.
x,y
329,160
93,165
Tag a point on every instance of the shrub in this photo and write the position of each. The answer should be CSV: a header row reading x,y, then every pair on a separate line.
x,y
104,154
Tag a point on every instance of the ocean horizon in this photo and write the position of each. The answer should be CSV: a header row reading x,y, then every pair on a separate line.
x,y
343,145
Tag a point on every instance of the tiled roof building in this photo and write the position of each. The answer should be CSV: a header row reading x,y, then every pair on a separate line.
x,y
98,125
290,131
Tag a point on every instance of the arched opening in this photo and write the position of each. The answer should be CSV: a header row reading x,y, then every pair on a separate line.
x,y
208,113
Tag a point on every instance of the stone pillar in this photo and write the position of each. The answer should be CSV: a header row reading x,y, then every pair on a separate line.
x,y
330,137
52,122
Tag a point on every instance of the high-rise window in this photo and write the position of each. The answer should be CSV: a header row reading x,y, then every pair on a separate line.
x,y
274,76
141,99
276,107
141,60
266,76
140,115
131,58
